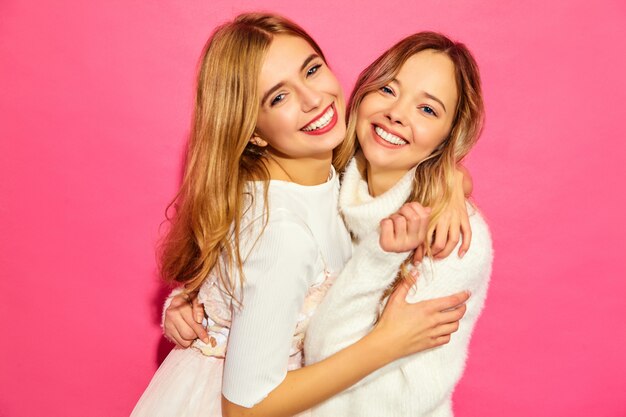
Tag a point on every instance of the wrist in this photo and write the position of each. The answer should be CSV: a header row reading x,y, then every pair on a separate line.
x,y
380,351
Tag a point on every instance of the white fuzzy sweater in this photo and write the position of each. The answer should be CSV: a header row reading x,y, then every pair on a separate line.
x,y
421,384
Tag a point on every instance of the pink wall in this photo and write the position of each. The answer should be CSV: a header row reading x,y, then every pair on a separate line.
x,y
94,108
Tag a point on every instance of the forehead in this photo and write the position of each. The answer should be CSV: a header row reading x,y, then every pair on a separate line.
x,y
432,72
284,59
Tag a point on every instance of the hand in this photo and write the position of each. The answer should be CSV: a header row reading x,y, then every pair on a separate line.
x,y
411,328
183,321
406,229
451,225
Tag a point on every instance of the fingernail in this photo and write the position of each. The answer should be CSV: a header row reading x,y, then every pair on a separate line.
x,y
205,339
462,254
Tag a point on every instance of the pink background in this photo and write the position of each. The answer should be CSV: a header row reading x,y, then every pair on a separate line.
x,y
95,103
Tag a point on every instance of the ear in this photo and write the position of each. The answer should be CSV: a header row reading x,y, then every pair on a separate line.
x,y
256,140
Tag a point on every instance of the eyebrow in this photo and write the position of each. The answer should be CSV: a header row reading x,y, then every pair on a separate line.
x,y
430,96
282,84
307,60
271,91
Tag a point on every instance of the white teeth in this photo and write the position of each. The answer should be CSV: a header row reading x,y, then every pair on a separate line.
x,y
321,122
388,137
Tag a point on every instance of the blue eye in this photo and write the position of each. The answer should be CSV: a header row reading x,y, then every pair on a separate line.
x,y
429,110
313,70
277,99
386,90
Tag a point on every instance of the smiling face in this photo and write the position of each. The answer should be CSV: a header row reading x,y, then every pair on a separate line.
x,y
302,109
403,122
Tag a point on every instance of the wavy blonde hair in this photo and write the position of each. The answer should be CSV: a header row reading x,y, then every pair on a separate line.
x,y
434,176
204,233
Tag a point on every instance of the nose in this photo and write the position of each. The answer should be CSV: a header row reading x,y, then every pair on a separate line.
x,y
396,113
311,98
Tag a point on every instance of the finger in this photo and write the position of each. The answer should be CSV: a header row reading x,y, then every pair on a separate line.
x,y
452,315
386,235
424,213
446,329
441,235
413,221
198,310
191,330
411,277
418,255
175,337
441,340
400,293
399,227
184,328
454,234
451,301
466,231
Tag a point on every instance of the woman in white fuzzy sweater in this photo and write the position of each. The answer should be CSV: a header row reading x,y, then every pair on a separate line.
x,y
418,111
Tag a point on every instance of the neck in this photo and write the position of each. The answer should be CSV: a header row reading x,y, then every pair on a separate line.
x,y
312,170
380,180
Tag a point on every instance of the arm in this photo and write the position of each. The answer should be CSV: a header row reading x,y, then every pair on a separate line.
x,y
395,336
408,328
303,388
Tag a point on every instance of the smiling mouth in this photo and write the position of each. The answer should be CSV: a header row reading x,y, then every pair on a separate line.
x,y
389,137
323,122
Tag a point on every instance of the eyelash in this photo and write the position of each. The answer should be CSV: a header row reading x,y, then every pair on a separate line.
x,y
310,72
432,111
313,70
387,90
277,99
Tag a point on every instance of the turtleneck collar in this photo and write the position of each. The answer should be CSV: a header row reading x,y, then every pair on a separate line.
x,y
362,212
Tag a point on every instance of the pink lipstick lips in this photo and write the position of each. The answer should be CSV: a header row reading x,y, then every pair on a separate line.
x,y
392,140
325,126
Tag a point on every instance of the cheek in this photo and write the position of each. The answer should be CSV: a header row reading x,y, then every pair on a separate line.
x,y
362,126
431,135
331,84
281,122
363,113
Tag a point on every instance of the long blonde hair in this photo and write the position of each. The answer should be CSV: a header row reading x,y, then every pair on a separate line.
x,y
220,160
434,176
